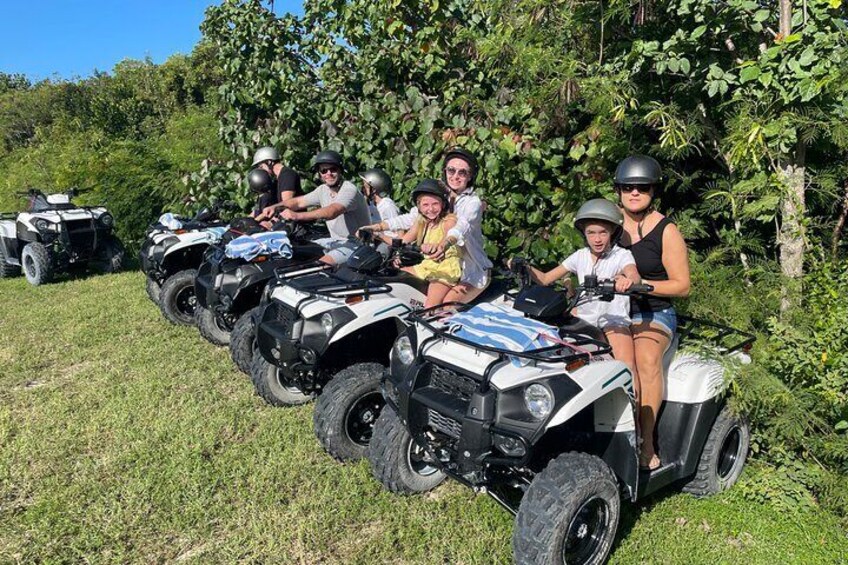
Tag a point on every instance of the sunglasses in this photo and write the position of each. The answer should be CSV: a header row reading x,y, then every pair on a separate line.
x,y
325,170
461,173
642,188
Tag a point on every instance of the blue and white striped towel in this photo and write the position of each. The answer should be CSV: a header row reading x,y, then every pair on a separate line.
x,y
501,327
170,221
249,247
215,233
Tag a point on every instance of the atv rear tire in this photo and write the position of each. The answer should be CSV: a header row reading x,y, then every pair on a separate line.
x,y
111,256
723,457
211,327
36,264
243,339
347,410
569,514
153,290
7,270
396,461
177,300
272,386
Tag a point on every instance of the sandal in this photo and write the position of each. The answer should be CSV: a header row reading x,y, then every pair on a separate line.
x,y
649,464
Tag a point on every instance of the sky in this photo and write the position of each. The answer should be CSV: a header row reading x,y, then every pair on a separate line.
x,y
67,39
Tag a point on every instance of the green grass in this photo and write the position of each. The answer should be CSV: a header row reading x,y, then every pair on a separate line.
x,y
125,439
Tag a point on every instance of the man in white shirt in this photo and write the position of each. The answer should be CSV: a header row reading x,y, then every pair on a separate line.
x,y
338,202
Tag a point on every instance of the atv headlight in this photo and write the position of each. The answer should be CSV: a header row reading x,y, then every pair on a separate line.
x,y
539,400
403,350
41,224
327,323
106,219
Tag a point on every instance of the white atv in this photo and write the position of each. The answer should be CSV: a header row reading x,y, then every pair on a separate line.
x,y
550,433
54,235
175,244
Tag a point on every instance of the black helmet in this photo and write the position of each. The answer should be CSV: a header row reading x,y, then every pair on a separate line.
x,y
328,157
379,181
458,152
432,187
638,169
265,154
260,181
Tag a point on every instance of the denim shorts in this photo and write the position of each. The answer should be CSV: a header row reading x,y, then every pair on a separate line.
x,y
666,319
339,250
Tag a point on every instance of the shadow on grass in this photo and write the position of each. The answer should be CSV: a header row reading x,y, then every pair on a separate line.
x,y
631,512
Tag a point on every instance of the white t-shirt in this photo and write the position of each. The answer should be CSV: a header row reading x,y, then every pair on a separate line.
x,y
356,208
598,312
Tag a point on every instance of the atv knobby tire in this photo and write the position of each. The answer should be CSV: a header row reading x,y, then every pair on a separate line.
x,y
243,339
396,461
271,385
154,289
347,409
176,298
7,269
569,514
211,327
37,266
724,455
111,256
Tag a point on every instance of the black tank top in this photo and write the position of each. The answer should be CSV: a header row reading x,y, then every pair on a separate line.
x,y
647,252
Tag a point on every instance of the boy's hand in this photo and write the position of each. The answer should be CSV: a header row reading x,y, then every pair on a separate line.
x,y
622,283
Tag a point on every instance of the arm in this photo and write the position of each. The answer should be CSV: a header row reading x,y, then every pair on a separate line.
x,y
676,262
297,203
470,214
627,277
325,213
402,222
412,234
546,278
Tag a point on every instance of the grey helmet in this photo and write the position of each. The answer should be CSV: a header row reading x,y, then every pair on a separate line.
x,y
265,154
379,181
638,169
600,209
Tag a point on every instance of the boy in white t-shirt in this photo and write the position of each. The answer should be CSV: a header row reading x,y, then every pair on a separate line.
x,y
600,222
377,189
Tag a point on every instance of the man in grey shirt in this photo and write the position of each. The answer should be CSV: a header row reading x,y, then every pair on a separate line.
x,y
339,203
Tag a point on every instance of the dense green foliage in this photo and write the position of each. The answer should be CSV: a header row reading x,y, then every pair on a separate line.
x,y
124,439
550,94
130,137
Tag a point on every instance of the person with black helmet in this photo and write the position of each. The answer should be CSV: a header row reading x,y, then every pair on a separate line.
x,y
663,262
262,185
377,189
336,200
459,171
600,221
430,229
286,179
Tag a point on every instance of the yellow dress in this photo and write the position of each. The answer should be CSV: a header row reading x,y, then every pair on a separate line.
x,y
448,270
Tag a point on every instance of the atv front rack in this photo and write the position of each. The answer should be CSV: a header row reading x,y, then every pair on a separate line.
x,y
571,347
285,274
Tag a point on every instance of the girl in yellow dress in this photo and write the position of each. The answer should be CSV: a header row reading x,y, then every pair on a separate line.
x,y
429,231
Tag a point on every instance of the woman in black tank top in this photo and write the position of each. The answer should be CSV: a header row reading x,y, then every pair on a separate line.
x,y
663,262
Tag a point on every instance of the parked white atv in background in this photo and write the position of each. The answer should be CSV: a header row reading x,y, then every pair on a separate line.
x,y
552,436
54,235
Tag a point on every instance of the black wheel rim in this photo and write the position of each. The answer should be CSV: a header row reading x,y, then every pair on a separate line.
x,y
284,383
586,532
186,301
29,265
225,323
360,417
729,454
416,459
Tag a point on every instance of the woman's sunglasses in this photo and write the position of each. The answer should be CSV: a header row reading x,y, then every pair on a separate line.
x,y
461,173
642,188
